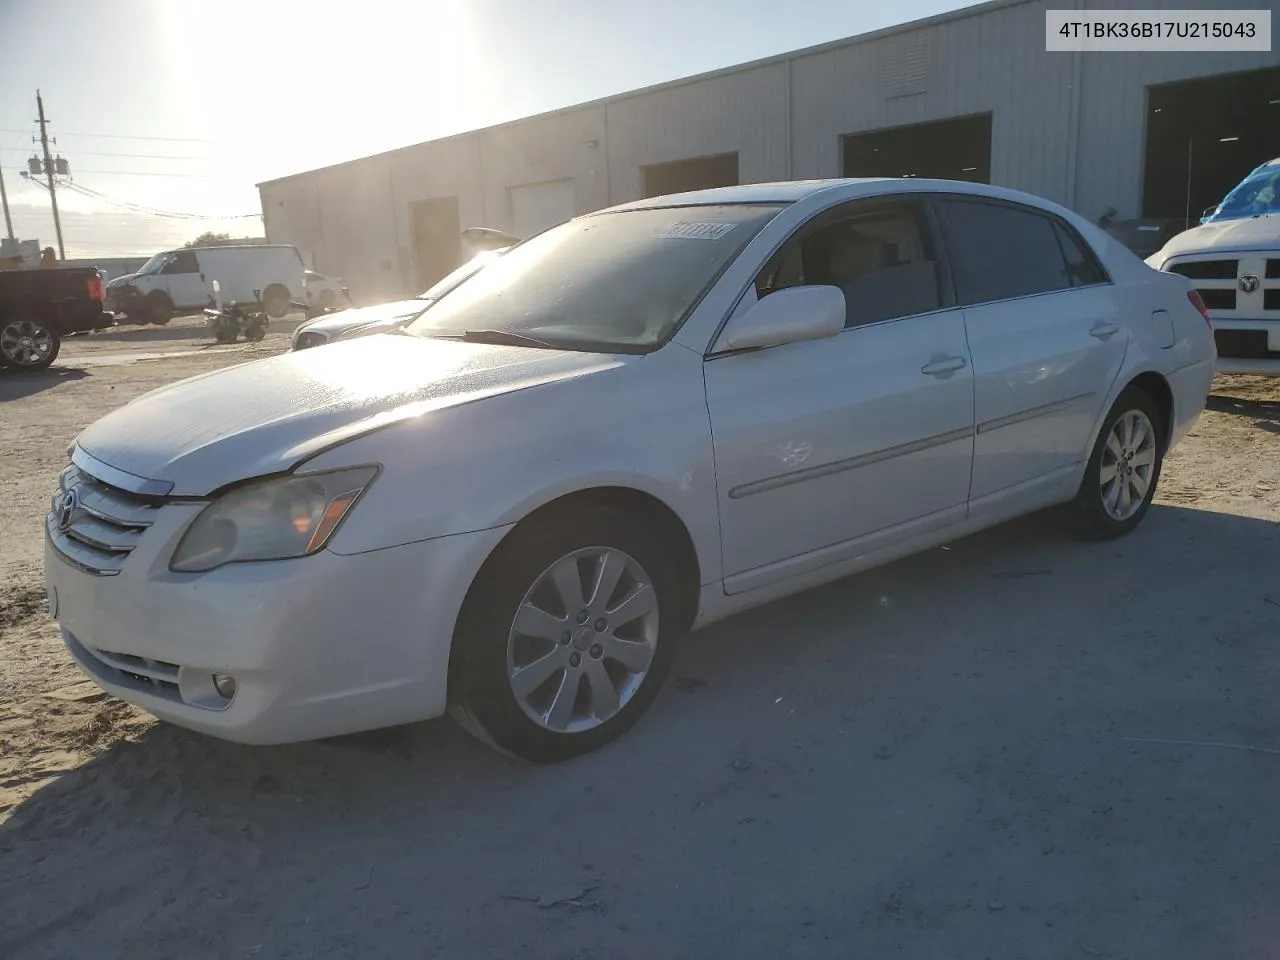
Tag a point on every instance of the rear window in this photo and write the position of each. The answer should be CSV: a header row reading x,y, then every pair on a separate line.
x,y
1001,251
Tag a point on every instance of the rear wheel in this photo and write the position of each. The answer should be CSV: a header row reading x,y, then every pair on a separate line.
x,y
159,308
255,331
1121,476
275,301
566,635
28,345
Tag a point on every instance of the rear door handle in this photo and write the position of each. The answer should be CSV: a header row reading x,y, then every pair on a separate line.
x,y
943,366
1104,330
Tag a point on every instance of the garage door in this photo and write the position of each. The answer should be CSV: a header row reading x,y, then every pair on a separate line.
x,y
537,206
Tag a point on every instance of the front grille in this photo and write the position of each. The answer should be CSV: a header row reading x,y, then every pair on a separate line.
x,y
1271,299
1273,269
309,339
1218,299
100,527
1243,345
1207,269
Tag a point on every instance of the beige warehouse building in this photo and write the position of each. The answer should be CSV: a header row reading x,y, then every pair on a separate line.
x,y
969,95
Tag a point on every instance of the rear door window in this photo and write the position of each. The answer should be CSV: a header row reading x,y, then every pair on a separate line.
x,y
1000,251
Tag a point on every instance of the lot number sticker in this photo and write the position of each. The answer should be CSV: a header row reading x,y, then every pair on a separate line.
x,y
688,230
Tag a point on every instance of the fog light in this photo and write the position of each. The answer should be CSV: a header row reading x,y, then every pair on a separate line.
x,y
226,686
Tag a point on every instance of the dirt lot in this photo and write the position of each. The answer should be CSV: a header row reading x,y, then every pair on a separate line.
x,y
1015,746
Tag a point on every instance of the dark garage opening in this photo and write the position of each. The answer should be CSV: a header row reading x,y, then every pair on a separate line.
x,y
1203,136
699,173
958,149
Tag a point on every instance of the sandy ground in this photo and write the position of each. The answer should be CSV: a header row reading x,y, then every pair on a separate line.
x,y
1015,746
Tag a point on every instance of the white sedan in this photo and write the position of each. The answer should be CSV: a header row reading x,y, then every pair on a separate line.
x,y
636,423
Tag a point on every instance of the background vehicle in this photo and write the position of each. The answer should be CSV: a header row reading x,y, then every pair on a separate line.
x,y
1233,261
363,321
325,293
40,307
635,423
1254,196
179,281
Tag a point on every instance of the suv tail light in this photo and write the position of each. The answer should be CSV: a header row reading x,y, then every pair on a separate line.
x,y
96,291
1198,302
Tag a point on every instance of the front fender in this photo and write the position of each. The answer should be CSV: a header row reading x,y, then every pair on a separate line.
x,y
492,462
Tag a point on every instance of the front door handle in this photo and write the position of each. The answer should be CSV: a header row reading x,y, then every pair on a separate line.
x,y
1104,330
943,366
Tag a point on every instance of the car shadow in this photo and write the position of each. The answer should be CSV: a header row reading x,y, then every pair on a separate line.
x,y
14,385
777,727
1264,413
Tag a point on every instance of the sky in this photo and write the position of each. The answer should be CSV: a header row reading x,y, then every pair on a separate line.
x,y
182,106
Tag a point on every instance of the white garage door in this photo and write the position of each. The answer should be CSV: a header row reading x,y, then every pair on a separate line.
x,y
537,206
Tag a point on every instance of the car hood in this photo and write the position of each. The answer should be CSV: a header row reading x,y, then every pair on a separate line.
x,y
266,417
334,323
122,280
1255,233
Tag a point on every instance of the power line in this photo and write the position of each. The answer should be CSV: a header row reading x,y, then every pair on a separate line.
x,y
105,153
147,173
118,136
153,211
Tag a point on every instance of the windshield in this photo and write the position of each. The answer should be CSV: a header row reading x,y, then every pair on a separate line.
x,y
1254,197
468,269
154,264
622,281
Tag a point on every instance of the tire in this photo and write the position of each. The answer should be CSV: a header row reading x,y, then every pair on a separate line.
x,y
489,650
275,301
27,345
225,333
327,299
255,331
159,308
1132,437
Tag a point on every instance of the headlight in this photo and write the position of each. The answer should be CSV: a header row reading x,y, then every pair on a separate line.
x,y
271,520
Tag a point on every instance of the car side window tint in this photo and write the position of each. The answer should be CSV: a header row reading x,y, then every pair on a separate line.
x,y
1082,268
1000,251
183,262
880,254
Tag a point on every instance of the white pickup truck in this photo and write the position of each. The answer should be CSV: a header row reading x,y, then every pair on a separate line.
x,y
1233,261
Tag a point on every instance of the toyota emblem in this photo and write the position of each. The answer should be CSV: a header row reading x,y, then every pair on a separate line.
x,y
68,503
1249,283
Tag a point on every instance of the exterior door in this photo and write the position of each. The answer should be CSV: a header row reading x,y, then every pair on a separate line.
x,y
1047,335
184,282
821,446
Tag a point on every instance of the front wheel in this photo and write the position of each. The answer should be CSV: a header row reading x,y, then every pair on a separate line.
x,y
1121,476
566,636
159,308
28,345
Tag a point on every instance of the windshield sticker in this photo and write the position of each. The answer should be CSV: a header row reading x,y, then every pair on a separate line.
x,y
686,230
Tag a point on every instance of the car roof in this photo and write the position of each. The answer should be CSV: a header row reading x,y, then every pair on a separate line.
x,y
788,191
796,190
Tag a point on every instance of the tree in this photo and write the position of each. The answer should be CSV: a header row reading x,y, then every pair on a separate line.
x,y
209,239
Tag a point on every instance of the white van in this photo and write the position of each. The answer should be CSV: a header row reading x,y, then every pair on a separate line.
x,y
181,281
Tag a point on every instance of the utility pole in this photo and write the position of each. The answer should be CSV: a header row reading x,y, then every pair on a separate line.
x,y
8,220
49,172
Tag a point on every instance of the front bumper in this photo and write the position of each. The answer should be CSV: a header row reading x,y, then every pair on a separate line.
x,y
318,646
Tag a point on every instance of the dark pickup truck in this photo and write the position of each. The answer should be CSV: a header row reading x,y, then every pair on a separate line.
x,y
40,307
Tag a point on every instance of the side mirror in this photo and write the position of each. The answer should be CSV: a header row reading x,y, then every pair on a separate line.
x,y
789,316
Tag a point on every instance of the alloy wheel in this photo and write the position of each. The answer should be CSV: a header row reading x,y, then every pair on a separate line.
x,y
1128,463
583,639
25,343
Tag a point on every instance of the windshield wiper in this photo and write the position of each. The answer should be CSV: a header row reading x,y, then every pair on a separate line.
x,y
499,337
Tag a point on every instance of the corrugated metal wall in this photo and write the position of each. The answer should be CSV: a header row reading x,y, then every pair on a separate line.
x,y
1070,127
